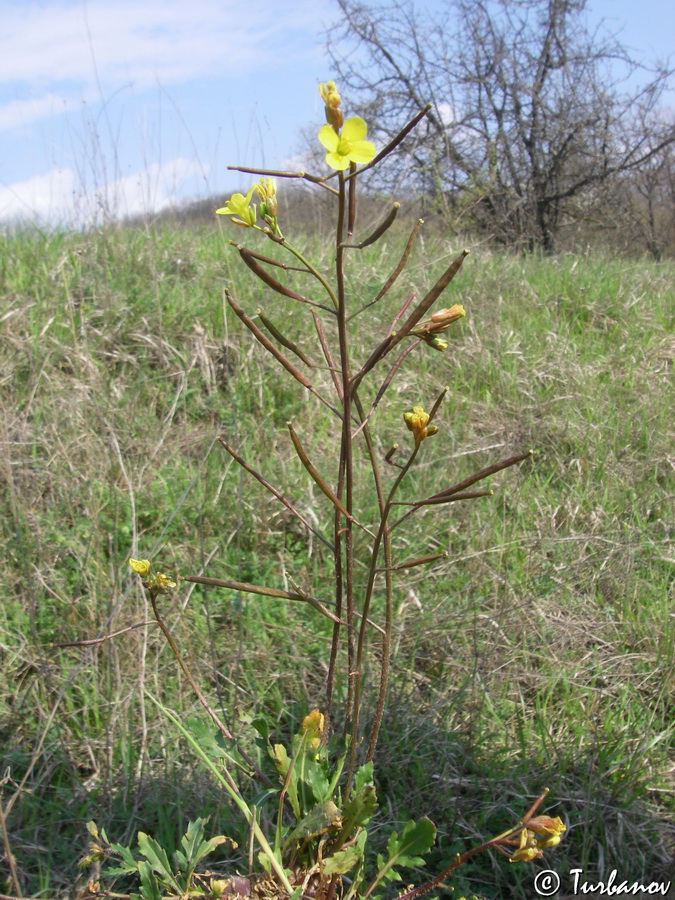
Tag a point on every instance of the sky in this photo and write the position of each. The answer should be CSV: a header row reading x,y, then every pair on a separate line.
x,y
118,107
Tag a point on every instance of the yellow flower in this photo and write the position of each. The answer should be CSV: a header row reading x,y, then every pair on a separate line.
x,y
541,833
417,421
347,146
548,829
266,189
312,726
140,566
239,208
163,581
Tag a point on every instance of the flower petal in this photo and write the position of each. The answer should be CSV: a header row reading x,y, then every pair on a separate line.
x,y
354,129
361,151
328,138
337,161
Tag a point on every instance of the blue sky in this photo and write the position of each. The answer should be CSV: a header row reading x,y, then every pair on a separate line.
x,y
109,107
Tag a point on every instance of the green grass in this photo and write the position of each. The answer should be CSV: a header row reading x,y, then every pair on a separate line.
x,y
538,653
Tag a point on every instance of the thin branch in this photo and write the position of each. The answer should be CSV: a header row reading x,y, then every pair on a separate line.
x,y
270,487
280,173
276,353
91,642
246,588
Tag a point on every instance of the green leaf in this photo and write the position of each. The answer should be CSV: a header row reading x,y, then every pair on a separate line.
x,y
213,743
357,875
283,763
313,785
342,861
318,820
417,837
120,870
149,886
157,858
261,726
359,809
363,778
129,863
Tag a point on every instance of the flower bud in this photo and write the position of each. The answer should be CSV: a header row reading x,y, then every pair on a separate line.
x,y
332,100
417,421
446,316
438,343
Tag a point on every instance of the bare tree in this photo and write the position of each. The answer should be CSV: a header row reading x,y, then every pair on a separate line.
x,y
531,110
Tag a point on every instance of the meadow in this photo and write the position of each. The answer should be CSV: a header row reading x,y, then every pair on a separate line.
x,y
538,652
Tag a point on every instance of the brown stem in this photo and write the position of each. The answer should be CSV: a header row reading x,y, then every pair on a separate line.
x,y
430,298
317,478
327,355
346,443
106,637
283,340
275,262
419,561
281,173
397,271
393,144
385,384
418,504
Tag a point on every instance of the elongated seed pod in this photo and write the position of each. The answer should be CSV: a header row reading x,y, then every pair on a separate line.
x,y
286,342
386,223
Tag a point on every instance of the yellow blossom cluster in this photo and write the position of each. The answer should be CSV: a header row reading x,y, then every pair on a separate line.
x,y
158,582
417,421
541,833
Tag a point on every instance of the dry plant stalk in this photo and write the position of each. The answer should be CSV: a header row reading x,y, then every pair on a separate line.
x,y
351,403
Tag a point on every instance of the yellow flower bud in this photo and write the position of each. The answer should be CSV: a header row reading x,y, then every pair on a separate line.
x,y
438,343
140,566
332,100
440,321
330,94
417,421
446,316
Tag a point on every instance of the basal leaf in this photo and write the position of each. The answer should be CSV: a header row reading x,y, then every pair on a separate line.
x,y
157,858
149,886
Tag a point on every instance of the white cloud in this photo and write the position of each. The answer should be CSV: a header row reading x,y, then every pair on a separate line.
x,y
170,41
58,196
42,197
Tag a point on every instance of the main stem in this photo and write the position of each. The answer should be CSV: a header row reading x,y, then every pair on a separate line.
x,y
346,456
